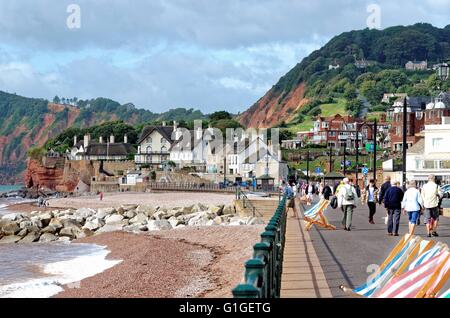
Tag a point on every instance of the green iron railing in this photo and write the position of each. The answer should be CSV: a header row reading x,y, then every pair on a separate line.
x,y
262,277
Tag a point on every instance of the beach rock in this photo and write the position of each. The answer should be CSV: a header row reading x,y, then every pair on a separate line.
x,y
49,229
63,239
159,225
30,238
10,239
199,207
200,220
237,221
70,223
85,212
56,223
229,209
135,228
159,215
174,222
218,220
187,209
140,218
175,212
47,237
104,212
93,225
22,233
218,210
128,207
37,221
110,228
10,228
115,218
147,210
130,214
26,224
180,226
120,211
45,218
70,231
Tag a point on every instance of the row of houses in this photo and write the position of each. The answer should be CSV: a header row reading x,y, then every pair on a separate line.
x,y
199,150
339,131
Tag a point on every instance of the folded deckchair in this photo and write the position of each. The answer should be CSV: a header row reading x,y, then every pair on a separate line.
x,y
425,280
389,268
315,215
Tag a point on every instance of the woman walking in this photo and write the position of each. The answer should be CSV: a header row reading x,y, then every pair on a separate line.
x,y
371,196
412,204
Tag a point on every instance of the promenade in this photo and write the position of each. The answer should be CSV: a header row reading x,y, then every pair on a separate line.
x,y
317,262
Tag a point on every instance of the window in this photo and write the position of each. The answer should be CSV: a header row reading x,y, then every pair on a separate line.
x,y
149,140
445,164
428,164
163,141
437,142
149,149
163,149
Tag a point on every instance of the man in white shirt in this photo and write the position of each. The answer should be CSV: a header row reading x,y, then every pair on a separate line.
x,y
431,196
347,199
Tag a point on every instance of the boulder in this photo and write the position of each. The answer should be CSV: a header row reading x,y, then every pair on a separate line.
x,y
218,220
30,238
135,228
93,225
188,209
45,218
140,218
159,225
70,231
200,220
70,223
159,215
175,213
229,209
180,226
104,212
50,229
47,237
110,228
56,223
130,214
218,210
85,212
199,207
22,233
128,207
237,221
63,239
174,222
10,239
146,209
115,218
10,228
37,221
25,224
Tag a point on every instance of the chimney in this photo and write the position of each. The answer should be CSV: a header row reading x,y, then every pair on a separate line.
x,y
100,140
164,124
175,125
199,133
75,140
125,139
86,141
111,139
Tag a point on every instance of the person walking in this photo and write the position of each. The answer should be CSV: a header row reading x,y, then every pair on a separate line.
x,y
327,192
393,203
347,200
431,195
412,204
384,187
371,194
310,191
290,203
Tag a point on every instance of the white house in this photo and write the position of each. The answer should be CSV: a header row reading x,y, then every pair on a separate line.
x,y
431,155
154,145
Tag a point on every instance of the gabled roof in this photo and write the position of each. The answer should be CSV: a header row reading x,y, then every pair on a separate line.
x,y
165,131
418,147
117,149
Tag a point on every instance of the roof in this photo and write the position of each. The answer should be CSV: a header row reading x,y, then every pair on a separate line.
x,y
165,131
418,147
117,149
190,144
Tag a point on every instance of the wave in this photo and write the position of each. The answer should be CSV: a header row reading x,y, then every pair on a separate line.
x,y
68,272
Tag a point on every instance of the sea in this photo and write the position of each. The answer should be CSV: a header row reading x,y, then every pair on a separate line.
x,y
39,270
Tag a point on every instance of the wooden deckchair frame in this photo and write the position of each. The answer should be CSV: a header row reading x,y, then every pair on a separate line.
x,y
425,291
414,254
319,219
405,239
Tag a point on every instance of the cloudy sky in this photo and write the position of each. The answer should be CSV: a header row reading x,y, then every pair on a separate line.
x,y
161,54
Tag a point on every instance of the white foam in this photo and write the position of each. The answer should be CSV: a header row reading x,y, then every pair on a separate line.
x,y
68,272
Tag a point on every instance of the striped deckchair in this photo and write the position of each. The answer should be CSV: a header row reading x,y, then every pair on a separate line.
x,y
445,294
426,255
315,215
425,280
395,261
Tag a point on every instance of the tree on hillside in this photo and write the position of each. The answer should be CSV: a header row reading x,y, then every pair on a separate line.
x,y
220,115
56,100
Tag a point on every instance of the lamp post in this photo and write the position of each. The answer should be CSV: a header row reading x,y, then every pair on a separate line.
x,y
405,145
307,167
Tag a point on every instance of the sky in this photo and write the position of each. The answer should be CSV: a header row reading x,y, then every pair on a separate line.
x,y
162,54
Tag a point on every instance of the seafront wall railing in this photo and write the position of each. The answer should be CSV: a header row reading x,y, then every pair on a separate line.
x,y
262,278
197,187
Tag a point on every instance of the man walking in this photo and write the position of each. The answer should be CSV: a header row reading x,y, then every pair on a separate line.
x,y
431,195
347,198
384,187
393,202
327,192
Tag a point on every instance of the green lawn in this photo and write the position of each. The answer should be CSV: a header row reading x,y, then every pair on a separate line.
x,y
329,110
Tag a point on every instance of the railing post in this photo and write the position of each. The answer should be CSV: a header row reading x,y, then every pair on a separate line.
x,y
269,237
262,251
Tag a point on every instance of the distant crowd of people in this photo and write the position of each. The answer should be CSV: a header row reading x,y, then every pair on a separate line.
x,y
347,196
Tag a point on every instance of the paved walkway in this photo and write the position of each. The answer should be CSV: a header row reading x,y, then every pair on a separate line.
x,y
303,276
